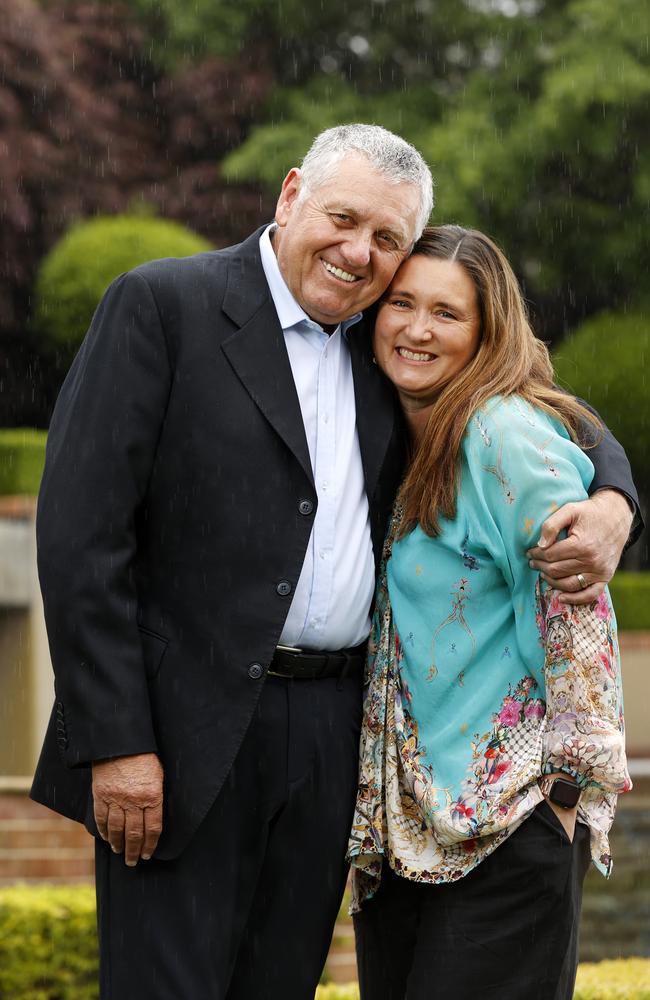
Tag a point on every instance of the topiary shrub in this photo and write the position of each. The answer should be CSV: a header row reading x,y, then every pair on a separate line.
x,y
76,272
22,454
606,362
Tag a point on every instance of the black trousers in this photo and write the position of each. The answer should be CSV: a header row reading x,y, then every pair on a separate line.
x,y
508,929
247,911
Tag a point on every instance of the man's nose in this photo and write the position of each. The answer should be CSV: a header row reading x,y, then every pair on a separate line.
x,y
356,249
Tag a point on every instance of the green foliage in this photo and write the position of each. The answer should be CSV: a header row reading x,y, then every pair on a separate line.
x,y
298,115
535,127
336,992
619,979
606,361
48,951
631,598
22,454
384,42
76,272
48,943
548,149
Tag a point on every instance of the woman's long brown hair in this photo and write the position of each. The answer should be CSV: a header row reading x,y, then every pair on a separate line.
x,y
509,359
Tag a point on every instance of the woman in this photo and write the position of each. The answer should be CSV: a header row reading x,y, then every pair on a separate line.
x,y
492,746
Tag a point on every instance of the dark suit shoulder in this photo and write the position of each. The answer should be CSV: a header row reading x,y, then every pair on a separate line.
x,y
173,275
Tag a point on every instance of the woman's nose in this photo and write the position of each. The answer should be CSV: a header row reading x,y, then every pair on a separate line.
x,y
420,329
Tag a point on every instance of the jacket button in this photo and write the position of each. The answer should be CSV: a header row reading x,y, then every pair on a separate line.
x,y
305,507
283,588
255,671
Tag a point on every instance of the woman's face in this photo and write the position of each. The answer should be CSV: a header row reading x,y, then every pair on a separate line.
x,y
427,328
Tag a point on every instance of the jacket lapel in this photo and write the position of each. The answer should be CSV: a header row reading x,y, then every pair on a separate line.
x,y
375,406
257,350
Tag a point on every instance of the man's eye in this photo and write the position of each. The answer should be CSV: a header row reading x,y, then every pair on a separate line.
x,y
445,314
388,241
341,217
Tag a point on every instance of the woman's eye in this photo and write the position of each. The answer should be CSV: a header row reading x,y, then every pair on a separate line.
x,y
445,314
400,303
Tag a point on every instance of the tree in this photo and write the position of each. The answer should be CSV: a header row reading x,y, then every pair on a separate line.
x,y
533,117
92,126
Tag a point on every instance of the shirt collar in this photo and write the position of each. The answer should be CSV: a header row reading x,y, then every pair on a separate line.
x,y
290,313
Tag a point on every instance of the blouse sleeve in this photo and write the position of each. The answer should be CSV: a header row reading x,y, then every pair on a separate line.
x,y
519,465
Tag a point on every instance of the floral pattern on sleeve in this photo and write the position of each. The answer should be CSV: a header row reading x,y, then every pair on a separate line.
x,y
585,734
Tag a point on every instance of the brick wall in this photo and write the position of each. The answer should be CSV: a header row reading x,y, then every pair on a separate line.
x,y
37,844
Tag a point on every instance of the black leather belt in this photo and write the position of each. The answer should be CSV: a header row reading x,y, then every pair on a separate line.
x,y
301,664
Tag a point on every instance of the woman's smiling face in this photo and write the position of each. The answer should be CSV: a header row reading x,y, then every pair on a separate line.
x,y
428,328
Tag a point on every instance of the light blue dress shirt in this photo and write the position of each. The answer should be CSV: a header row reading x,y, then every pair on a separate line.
x,y
331,601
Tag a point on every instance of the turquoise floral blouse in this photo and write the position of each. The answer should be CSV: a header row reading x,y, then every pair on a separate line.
x,y
478,680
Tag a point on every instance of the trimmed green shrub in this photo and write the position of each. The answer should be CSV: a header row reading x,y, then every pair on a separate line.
x,y
76,272
48,943
48,951
22,454
622,979
334,992
606,362
631,597
619,979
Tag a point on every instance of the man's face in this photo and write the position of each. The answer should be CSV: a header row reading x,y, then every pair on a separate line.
x,y
339,248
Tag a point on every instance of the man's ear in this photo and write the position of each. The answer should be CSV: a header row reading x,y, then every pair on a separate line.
x,y
289,192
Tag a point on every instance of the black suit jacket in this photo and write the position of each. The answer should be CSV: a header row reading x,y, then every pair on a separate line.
x,y
177,496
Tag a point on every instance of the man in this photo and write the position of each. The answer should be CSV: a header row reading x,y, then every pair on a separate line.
x,y
221,465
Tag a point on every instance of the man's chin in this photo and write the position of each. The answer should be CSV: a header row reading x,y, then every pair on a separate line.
x,y
331,312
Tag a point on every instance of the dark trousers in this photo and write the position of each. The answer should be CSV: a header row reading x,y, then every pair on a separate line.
x,y
246,912
508,929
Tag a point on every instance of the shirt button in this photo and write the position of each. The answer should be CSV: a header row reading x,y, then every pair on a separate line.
x,y
305,507
255,671
283,588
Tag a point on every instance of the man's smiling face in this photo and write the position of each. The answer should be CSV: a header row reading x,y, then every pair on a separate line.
x,y
339,247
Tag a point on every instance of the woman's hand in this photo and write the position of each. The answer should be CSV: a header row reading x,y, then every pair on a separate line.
x,y
567,818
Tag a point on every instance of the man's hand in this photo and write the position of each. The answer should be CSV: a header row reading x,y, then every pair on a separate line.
x,y
128,797
597,530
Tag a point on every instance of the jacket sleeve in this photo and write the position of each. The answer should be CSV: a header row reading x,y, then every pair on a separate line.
x,y
612,471
100,452
522,466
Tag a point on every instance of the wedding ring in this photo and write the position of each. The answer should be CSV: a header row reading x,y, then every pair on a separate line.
x,y
581,581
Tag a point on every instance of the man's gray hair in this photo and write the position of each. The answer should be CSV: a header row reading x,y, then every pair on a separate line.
x,y
386,152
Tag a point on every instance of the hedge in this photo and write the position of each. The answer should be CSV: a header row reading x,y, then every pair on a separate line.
x,y
22,454
48,951
606,362
76,272
631,597
48,946
622,979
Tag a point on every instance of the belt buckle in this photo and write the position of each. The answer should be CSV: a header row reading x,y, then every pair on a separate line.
x,y
284,649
